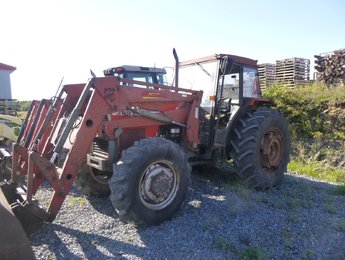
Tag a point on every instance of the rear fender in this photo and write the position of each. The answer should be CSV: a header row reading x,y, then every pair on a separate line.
x,y
249,104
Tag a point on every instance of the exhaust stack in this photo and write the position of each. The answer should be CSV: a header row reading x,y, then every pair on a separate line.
x,y
176,67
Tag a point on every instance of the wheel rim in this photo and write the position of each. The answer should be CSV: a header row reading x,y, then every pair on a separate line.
x,y
158,185
271,149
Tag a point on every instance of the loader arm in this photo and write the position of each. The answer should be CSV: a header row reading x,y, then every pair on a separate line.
x,y
58,134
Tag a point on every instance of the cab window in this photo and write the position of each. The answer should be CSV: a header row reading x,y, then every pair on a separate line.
x,y
231,86
251,87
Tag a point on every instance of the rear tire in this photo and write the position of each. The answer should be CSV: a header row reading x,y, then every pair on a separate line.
x,y
93,182
150,181
260,148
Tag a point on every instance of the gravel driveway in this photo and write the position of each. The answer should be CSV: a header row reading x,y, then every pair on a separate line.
x,y
301,219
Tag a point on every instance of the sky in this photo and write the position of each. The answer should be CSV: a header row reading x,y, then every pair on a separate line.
x,y
47,40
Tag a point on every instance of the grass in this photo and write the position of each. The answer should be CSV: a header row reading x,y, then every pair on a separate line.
x,y
249,253
234,209
213,222
22,114
319,159
321,92
288,239
330,206
339,226
252,253
318,171
338,191
50,257
77,201
294,199
293,217
223,244
309,254
245,193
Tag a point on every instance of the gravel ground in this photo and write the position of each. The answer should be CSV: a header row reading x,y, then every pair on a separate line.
x,y
301,219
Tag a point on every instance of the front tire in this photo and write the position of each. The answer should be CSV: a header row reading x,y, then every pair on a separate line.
x,y
260,148
150,181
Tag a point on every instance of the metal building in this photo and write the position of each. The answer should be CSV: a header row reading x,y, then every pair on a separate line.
x,y
5,81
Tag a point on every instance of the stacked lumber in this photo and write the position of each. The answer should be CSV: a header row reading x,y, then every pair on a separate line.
x,y
330,67
267,74
293,71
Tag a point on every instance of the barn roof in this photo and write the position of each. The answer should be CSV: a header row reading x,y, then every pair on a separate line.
x,y
6,67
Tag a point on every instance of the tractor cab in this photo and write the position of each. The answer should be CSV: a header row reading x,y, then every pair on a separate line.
x,y
226,81
221,77
138,73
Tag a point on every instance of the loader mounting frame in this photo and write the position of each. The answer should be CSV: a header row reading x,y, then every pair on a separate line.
x,y
44,152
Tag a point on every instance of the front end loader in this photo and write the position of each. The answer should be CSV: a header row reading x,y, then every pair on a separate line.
x,y
57,134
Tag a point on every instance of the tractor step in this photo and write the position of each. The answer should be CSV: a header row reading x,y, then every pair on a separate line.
x,y
99,163
219,137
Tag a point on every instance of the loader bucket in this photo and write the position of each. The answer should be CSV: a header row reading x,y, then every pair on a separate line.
x,y
30,215
14,243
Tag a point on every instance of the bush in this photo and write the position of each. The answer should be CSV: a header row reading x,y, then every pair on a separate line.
x,y
24,105
313,111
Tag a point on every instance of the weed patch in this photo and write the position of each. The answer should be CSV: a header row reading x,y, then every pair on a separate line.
x,y
330,207
338,191
339,226
252,253
223,244
77,201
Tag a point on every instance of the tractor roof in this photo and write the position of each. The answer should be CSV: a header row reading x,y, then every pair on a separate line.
x,y
131,68
236,59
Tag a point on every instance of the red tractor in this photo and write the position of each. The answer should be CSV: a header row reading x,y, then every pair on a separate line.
x,y
130,135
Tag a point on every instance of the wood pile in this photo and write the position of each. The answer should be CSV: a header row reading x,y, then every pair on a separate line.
x,y
293,71
267,74
330,67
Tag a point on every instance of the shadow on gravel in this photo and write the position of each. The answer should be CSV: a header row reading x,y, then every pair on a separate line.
x,y
92,246
300,219
102,205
